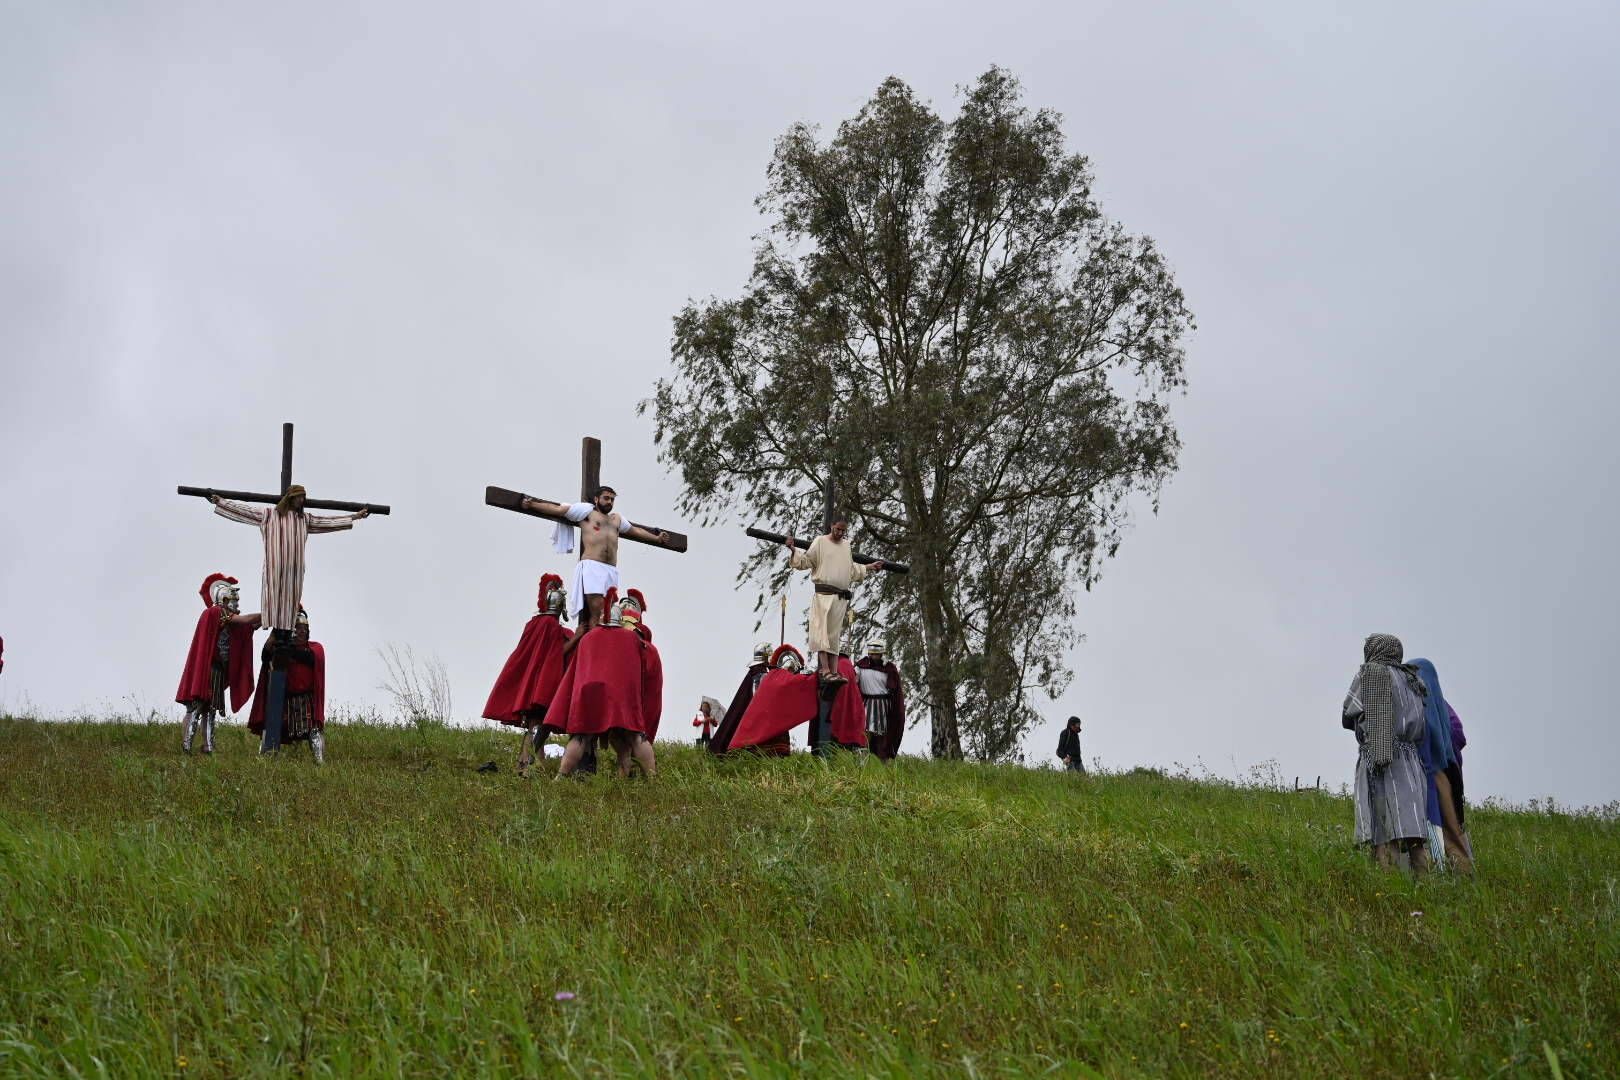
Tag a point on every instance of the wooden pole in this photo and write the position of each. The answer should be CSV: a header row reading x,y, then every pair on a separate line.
x,y
829,503
286,456
590,467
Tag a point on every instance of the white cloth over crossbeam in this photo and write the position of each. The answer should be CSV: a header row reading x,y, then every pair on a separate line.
x,y
562,533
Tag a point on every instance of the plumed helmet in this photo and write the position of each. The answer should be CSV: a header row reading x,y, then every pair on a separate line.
x,y
629,617
215,589
634,596
787,658
553,597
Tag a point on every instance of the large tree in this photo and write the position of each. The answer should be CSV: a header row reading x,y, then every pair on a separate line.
x,y
942,321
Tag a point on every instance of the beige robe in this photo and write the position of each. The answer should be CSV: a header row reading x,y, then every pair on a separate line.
x,y
832,564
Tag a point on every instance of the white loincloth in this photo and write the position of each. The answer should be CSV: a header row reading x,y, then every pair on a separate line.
x,y
590,578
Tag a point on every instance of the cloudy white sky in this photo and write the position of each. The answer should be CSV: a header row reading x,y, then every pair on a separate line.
x,y
447,241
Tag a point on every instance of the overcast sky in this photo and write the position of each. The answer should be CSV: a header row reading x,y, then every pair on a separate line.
x,y
447,243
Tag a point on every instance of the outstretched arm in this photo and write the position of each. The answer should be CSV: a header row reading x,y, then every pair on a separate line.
x,y
254,620
326,523
646,536
235,511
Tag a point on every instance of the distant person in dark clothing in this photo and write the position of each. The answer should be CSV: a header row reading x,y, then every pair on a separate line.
x,y
1068,750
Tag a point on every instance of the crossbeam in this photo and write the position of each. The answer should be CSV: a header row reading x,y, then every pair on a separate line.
x,y
286,482
519,503
779,538
265,497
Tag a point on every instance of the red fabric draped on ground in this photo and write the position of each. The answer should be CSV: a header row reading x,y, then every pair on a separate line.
x,y
532,672
605,685
783,702
848,719
196,681
727,731
303,676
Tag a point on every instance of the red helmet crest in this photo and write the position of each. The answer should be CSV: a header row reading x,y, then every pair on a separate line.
x,y
206,592
785,651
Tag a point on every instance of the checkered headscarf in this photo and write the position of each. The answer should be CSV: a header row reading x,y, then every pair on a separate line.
x,y
1382,653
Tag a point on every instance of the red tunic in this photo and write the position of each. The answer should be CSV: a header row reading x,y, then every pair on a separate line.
x,y
196,681
848,719
605,685
783,702
303,677
532,672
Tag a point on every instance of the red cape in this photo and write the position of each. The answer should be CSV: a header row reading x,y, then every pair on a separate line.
x,y
604,686
532,672
848,719
652,690
783,702
897,707
196,681
301,677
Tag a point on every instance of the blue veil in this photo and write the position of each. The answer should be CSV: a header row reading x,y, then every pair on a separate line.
x,y
1436,719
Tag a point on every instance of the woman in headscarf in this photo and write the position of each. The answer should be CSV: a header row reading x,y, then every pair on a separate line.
x,y
1385,709
1443,758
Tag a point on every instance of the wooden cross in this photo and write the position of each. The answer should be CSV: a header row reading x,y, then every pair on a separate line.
x,y
821,726
286,482
276,691
590,478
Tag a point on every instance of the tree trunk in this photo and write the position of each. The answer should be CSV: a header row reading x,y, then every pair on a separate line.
x,y
946,741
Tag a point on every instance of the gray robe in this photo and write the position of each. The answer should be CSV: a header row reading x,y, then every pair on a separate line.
x,y
1391,802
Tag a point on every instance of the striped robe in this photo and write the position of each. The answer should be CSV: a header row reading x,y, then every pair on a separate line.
x,y
284,537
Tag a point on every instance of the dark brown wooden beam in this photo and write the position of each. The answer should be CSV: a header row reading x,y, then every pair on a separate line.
x,y
778,538
516,501
590,467
263,497
286,456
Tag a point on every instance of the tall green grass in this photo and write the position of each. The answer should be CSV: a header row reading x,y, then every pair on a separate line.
x,y
398,913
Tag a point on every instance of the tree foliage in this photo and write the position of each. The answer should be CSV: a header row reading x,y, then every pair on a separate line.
x,y
942,321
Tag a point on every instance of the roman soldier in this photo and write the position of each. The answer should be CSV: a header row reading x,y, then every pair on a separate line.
x,y
304,713
220,658
613,686
785,699
758,666
525,685
884,699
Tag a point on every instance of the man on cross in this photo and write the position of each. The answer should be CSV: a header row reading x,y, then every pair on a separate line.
x,y
286,529
598,568
833,569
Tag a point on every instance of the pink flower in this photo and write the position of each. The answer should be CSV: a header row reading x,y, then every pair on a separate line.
x,y
563,995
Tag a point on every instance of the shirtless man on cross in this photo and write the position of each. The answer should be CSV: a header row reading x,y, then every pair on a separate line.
x,y
598,568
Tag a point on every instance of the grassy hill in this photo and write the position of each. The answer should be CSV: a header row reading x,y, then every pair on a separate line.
x,y
398,913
